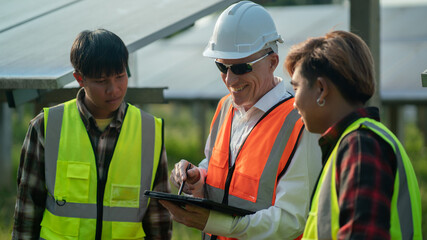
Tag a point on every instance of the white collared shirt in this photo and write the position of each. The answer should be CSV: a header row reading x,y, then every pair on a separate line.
x,y
244,121
286,219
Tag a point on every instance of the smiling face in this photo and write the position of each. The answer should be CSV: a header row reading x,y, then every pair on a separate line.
x,y
104,94
246,89
305,102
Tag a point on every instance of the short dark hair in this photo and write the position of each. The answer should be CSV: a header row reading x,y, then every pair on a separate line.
x,y
341,56
98,52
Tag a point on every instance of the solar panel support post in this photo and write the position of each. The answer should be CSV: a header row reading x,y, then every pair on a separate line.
x,y
365,22
5,145
17,97
422,109
424,78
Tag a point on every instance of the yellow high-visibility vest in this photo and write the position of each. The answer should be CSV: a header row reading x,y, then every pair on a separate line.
x,y
71,176
405,215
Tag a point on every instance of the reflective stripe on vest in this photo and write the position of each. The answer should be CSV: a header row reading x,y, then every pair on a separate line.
x,y
287,126
405,219
218,120
117,209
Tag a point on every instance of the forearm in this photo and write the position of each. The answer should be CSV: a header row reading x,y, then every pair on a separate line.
x,y
271,223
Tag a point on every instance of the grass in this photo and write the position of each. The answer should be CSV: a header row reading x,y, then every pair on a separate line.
x,y
182,141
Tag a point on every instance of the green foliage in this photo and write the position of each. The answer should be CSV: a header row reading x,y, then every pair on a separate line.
x,y
20,119
416,148
7,206
417,151
182,133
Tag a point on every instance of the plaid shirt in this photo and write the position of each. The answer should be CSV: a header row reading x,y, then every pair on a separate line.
x,y
31,196
365,173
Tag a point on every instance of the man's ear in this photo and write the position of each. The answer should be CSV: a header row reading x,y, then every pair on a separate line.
x,y
323,86
274,61
79,78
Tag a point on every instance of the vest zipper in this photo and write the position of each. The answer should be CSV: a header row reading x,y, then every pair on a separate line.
x,y
102,181
227,184
100,186
99,208
226,190
100,197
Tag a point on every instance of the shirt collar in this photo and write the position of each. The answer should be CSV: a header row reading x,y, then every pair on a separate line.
x,y
271,98
88,118
329,139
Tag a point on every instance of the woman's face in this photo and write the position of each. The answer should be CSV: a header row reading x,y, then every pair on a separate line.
x,y
305,102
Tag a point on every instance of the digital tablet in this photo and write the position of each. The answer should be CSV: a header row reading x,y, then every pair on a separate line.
x,y
201,202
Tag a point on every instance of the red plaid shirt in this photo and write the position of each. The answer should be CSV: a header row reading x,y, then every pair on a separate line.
x,y
31,196
365,173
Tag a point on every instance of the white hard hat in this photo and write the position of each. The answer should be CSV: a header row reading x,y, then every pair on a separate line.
x,y
243,29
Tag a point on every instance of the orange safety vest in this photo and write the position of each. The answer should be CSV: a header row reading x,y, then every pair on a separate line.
x,y
262,159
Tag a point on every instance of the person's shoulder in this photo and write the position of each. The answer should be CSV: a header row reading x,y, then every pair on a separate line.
x,y
142,112
364,137
37,120
36,125
365,145
362,134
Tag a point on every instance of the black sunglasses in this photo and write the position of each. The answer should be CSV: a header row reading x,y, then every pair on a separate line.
x,y
240,68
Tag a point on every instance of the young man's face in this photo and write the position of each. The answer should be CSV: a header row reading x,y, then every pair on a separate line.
x,y
105,94
305,102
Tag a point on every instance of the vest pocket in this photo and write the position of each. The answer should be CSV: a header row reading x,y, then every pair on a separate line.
x,y
218,158
78,181
127,230
125,195
217,171
244,186
55,227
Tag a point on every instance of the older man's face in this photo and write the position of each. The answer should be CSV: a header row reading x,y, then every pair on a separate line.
x,y
248,88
